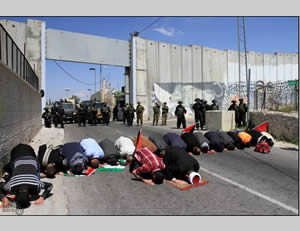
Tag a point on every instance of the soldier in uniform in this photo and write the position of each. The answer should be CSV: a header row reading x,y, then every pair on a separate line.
x,y
94,115
164,114
125,113
53,113
60,115
206,107
214,105
115,113
242,108
130,115
47,118
105,110
82,113
180,112
156,113
139,114
234,107
198,109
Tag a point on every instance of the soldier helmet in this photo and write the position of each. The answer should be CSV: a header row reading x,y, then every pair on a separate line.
x,y
205,101
214,101
46,109
241,99
139,102
180,101
233,101
165,103
196,100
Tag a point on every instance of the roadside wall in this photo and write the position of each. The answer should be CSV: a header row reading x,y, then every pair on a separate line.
x,y
20,112
282,126
169,73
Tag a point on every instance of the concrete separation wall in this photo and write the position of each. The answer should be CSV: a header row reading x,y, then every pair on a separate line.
x,y
282,126
169,73
20,112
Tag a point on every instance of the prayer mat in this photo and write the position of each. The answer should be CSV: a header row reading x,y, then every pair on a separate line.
x,y
105,168
187,186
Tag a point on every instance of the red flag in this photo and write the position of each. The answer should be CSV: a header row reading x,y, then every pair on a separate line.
x,y
263,127
139,140
189,129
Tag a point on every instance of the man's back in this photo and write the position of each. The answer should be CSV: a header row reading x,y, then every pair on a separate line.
x,y
174,140
178,163
149,161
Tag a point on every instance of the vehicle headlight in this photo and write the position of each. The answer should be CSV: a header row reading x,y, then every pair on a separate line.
x,y
74,113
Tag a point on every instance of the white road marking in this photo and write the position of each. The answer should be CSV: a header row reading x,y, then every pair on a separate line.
x,y
294,210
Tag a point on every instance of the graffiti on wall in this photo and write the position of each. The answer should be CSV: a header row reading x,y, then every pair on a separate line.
x,y
223,93
187,93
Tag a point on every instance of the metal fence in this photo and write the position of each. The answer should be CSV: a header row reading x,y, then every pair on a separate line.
x,y
14,59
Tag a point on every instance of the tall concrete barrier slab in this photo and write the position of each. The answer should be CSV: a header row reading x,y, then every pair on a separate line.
x,y
220,120
20,112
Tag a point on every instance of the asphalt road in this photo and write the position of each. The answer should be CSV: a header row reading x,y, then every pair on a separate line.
x,y
240,183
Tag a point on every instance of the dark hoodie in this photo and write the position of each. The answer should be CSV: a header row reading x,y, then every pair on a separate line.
x,y
178,163
190,141
216,143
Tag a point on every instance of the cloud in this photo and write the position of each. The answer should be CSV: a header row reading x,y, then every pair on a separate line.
x,y
165,31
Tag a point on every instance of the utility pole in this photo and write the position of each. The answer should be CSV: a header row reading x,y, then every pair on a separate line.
x,y
239,53
100,76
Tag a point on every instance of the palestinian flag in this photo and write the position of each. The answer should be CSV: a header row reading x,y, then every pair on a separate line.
x,y
190,128
263,127
138,141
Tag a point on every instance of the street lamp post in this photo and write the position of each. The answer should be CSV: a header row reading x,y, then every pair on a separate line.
x,y
93,69
89,94
67,89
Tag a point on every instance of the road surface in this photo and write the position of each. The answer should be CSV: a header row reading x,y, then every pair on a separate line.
x,y
240,183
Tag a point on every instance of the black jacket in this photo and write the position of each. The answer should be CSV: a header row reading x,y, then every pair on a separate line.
x,y
111,153
216,142
190,141
179,163
225,137
54,157
255,135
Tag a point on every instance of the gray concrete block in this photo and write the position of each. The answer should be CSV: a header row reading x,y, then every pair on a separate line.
x,y
220,120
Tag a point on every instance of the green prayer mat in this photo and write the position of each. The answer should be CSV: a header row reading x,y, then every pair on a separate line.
x,y
105,169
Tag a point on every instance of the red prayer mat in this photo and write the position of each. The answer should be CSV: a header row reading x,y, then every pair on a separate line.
x,y
187,186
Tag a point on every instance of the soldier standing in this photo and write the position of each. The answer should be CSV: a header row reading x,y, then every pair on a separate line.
x,y
105,110
198,109
180,112
214,105
82,113
94,115
47,118
60,115
234,107
156,113
130,115
54,115
125,113
164,114
115,113
139,113
206,107
242,108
